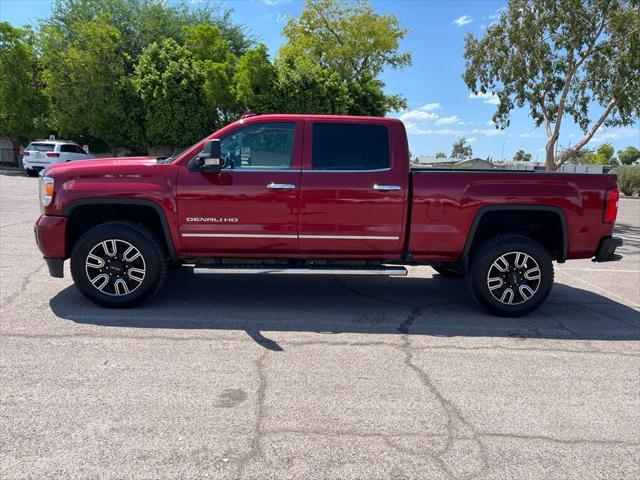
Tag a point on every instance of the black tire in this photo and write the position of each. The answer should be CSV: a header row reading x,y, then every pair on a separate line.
x,y
152,262
31,172
504,250
448,271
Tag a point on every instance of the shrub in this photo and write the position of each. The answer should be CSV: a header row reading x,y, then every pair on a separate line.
x,y
628,179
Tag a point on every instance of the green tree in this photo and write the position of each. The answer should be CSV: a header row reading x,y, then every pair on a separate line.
x,y
169,80
255,80
85,83
214,56
522,156
142,22
580,158
441,155
561,57
23,107
628,155
596,159
350,40
461,149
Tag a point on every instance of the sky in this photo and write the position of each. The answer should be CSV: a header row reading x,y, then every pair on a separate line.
x,y
440,107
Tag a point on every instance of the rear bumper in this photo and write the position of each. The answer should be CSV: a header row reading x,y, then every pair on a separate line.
x,y
607,250
50,232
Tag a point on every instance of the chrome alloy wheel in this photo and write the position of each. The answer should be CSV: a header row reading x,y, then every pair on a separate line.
x,y
513,278
115,267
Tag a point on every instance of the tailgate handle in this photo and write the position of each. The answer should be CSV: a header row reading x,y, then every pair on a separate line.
x,y
281,186
387,188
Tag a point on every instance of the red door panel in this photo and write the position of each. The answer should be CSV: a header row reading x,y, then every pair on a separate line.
x,y
243,209
353,211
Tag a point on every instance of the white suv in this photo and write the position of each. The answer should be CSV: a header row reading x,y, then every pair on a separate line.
x,y
42,153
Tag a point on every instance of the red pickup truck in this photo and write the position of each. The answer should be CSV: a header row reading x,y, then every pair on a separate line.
x,y
304,194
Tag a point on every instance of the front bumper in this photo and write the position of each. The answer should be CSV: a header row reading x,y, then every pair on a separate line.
x,y
50,232
607,250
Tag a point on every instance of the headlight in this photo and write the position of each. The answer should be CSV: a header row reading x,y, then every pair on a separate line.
x,y
46,190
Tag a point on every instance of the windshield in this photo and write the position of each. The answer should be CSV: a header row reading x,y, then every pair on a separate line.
x,y
175,155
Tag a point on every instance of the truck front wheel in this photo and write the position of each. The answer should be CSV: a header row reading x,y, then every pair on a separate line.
x,y
118,264
511,275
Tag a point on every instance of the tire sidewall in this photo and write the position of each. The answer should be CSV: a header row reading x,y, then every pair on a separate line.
x,y
121,232
483,263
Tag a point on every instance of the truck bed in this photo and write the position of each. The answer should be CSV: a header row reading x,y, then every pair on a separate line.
x,y
448,204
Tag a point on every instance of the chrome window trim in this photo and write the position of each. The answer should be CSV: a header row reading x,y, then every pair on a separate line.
x,y
264,170
347,171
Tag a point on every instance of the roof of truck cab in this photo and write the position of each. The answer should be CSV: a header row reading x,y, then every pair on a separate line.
x,y
304,116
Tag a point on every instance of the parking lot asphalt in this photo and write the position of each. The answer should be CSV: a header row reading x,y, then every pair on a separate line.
x,y
315,377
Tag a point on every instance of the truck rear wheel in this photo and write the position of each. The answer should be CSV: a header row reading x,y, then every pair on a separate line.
x,y
118,264
511,275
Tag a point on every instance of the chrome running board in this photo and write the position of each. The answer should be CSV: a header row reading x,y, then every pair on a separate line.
x,y
394,271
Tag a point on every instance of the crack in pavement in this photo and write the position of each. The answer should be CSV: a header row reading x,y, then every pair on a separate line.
x,y
319,343
255,449
566,441
454,416
26,281
6,225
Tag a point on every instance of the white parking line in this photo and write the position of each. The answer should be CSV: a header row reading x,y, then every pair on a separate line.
x,y
632,303
597,270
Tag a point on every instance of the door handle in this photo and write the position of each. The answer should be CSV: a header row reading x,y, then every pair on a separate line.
x,y
281,186
387,188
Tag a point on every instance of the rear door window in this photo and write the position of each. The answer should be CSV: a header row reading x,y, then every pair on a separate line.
x,y
41,147
67,148
350,146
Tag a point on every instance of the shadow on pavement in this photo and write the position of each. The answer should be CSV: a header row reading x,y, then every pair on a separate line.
x,y
11,171
420,306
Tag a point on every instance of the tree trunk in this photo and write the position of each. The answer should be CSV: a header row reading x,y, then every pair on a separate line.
x,y
550,162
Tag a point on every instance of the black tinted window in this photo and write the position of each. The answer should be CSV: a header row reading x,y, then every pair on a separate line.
x,y
346,146
78,149
68,148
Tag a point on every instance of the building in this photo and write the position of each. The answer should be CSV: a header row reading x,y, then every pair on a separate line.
x,y
9,151
466,163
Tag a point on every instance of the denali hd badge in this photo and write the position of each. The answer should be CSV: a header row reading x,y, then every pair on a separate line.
x,y
212,219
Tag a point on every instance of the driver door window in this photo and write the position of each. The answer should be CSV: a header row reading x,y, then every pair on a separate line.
x,y
267,146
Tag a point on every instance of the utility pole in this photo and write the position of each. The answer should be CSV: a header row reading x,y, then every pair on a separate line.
x,y
502,154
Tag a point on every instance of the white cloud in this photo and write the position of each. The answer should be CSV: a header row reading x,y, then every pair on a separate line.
x,y
471,139
275,2
447,131
448,120
282,18
488,132
616,133
427,107
463,20
419,115
531,135
414,129
490,98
